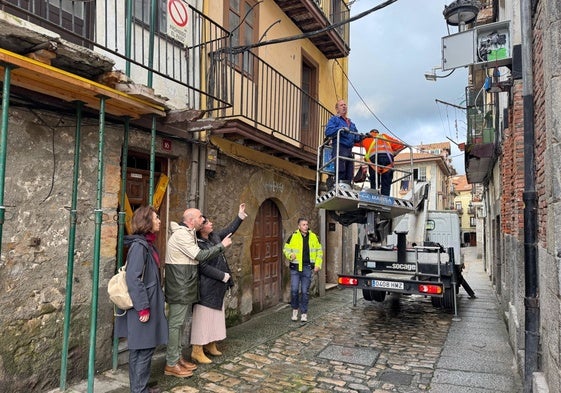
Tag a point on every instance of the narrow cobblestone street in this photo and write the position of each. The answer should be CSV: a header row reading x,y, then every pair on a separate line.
x,y
401,345
391,346
341,348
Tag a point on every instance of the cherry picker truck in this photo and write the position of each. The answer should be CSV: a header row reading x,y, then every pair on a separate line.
x,y
403,247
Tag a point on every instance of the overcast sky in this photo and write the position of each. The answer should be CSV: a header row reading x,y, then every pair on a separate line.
x,y
391,50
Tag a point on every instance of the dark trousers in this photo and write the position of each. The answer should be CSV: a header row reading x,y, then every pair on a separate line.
x,y
300,281
384,180
139,369
346,167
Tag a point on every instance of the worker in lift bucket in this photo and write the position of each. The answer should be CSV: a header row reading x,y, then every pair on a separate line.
x,y
380,152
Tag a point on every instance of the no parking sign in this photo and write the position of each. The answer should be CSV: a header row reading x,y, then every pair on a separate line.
x,y
178,17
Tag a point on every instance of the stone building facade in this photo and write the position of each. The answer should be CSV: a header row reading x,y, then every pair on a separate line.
x,y
547,95
506,228
209,164
34,262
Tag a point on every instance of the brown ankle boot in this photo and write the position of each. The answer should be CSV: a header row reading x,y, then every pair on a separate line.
x,y
198,355
211,348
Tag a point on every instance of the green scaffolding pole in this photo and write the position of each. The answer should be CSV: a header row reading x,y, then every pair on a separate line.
x,y
97,245
153,9
128,36
152,162
4,143
71,243
121,224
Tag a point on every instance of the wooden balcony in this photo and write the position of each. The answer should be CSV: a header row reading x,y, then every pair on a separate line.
x,y
314,15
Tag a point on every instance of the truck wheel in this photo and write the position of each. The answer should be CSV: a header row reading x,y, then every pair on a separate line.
x,y
371,295
436,301
448,299
446,302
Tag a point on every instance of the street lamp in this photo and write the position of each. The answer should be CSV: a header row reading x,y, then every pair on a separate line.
x,y
460,12
431,76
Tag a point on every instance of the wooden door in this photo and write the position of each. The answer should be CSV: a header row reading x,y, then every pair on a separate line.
x,y
138,186
309,114
266,257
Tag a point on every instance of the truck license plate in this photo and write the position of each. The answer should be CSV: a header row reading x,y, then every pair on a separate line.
x,y
387,284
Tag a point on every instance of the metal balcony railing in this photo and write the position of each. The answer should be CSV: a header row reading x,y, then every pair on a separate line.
x,y
170,53
193,66
480,119
481,128
481,145
268,100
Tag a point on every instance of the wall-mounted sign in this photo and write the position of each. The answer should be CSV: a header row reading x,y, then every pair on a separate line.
x,y
177,19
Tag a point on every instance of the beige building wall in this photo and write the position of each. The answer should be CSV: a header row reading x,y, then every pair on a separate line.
x,y
287,57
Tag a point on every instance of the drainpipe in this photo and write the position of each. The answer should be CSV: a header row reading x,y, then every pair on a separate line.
x,y
193,183
201,176
531,300
71,243
121,224
323,241
97,245
3,143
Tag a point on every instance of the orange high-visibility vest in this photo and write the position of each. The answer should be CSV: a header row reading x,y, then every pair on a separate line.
x,y
381,144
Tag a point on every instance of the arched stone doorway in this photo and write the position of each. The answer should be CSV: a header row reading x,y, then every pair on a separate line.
x,y
266,257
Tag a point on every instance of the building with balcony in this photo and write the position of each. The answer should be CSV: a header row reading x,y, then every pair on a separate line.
x,y
463,203
108,106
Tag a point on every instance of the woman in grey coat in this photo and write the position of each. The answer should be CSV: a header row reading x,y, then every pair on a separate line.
x,y
144,325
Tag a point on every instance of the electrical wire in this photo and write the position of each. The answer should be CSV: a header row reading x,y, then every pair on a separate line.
x,y
445,76
363,101
413,148
337,96
243,48
245,16
52,128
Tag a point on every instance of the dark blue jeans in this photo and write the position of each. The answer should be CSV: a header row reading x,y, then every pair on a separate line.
x,y
300,281
384,180
139,369
346,167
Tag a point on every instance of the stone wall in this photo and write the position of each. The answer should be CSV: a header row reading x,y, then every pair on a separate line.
x,y
38,192
236,182
547,135
33,266
512,223
547,97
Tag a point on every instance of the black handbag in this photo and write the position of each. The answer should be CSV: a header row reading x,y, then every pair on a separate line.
x,y
361,174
